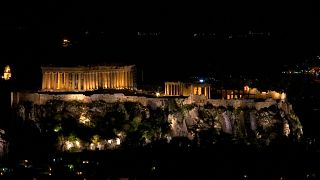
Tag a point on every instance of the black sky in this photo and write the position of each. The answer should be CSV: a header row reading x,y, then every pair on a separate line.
x,y
109,32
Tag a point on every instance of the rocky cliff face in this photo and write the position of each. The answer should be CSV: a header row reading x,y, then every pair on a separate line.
x,y
262,125
92,125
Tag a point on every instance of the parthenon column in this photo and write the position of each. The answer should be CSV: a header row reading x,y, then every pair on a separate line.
x,y
100,80
109,76
44,80
121,79
84,82
113,78
79,81
73,81
104,80
58,80
178,89
90,80
107,79
173,89
87,81
125,79
54,80
131,79
93,80
165,89
118,79
67,82
49,80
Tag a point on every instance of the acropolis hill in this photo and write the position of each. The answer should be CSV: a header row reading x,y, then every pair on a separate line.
x,y
236,113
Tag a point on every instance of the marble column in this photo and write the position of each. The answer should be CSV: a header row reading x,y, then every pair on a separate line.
x,y
105,80
113,80
79,81
84,82
90,80
58,80
165,88
100,80
108,79
54,80
118,79
126,79
49,80
73,81
43,80
96,80
131,79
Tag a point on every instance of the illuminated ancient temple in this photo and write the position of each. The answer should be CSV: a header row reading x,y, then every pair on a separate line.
x,y
187,89
88,78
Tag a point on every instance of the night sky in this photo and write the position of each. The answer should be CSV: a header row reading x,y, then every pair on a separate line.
x,y
165,39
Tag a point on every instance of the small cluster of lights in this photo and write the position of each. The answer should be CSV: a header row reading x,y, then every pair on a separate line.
x,y
148,33
66,43
250,34
84,120
7,73
72,144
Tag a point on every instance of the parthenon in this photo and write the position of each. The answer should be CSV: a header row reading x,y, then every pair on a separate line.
x,y
88,78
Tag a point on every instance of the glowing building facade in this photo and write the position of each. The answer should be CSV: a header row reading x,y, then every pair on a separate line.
x,y
89,78
187,89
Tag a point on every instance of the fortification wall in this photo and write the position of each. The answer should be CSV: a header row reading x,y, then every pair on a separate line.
x,y
41,98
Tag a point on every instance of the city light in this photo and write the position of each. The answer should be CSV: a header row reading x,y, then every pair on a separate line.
x,y
84,120
66,43
7,73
